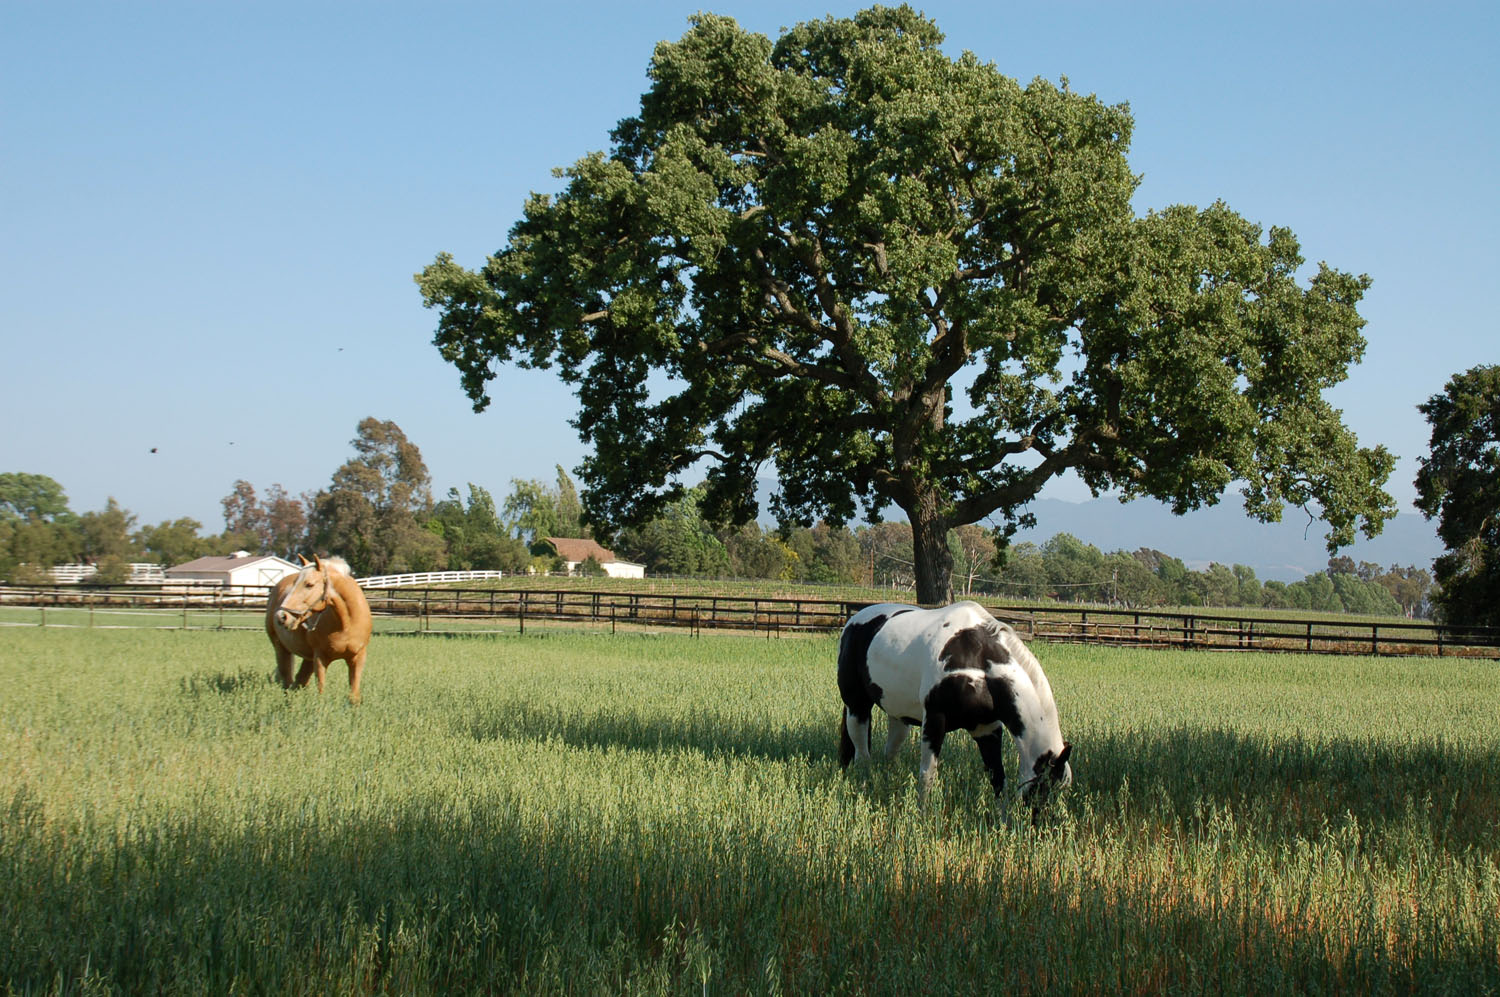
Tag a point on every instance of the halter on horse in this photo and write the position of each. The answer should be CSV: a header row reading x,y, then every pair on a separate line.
x,y
294,621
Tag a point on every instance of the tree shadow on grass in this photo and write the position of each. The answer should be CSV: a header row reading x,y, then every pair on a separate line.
x,y
1285,787
507,901
1295,786
618,727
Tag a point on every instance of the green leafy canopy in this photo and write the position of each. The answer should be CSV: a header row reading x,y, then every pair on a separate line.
x,y
904,278
1459,484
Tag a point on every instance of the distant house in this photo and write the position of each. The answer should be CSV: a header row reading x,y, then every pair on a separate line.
x,y
239,568
575,552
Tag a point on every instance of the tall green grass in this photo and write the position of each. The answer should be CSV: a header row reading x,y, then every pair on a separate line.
x,y
581,813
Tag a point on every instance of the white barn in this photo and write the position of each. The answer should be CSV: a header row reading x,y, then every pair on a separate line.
x,y
239,568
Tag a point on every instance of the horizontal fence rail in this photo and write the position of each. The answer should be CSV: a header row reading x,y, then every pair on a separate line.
x,y
431,578
425,609
614,608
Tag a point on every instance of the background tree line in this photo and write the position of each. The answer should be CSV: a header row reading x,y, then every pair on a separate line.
x,y
378,511
1064,568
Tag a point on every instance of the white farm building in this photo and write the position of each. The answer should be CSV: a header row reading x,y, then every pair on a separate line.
x,y
239,568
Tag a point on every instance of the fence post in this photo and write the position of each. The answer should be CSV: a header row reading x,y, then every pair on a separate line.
x,y
521,610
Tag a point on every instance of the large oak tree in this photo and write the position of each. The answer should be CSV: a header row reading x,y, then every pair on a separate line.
x,y
903,278
1459,484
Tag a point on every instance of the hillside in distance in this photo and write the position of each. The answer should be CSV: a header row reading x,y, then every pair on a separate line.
x,y
1286,551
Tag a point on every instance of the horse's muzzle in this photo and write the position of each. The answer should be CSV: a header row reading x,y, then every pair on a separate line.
x,y
292,620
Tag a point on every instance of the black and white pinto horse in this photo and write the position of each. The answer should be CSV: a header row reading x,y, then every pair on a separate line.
x,y
954,668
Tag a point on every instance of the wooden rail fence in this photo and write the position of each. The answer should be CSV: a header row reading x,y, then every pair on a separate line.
x,y
480,609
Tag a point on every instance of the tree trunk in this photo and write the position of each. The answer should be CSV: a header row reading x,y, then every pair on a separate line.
x,y
933,560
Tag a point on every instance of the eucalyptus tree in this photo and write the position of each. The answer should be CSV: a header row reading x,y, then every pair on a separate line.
x,y
374,510
278,525
902,278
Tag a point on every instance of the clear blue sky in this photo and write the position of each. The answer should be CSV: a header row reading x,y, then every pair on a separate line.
x,y
210,213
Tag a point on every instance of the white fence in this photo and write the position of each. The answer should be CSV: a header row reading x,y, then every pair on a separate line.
x,y
152,574
426,578
141,573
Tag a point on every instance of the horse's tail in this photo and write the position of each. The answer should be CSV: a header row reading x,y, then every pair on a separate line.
x,y
846,743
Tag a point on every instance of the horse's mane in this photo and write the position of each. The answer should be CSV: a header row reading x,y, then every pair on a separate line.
x,y
339,565
1021,655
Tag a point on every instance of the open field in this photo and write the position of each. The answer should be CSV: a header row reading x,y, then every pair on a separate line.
x,y
586,813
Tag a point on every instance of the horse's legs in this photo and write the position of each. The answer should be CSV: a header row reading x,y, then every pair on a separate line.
x,y
283,665
305,674
356,668
992,750
856,692
855,742
934,728
321,667
895,736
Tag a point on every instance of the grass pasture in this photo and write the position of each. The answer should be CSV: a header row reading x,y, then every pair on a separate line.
x,y
586,813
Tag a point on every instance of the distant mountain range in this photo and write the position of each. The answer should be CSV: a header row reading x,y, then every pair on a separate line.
x,y
1287,551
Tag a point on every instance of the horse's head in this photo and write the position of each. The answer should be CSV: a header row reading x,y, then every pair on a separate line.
x,y
308,595
1050,771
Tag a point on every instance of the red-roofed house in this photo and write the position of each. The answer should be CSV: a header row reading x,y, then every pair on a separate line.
x,y
575,551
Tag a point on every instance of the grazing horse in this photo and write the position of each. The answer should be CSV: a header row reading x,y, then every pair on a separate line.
x,y
955,668
321,616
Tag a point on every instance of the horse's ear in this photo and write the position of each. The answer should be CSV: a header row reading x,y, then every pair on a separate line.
x,y
303,559
1062,756
318,561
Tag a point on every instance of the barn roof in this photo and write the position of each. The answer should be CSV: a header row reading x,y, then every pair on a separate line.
x,y
573,549
226,563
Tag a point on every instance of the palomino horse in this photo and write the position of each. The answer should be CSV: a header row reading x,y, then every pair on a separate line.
x,y
321,616
955,668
